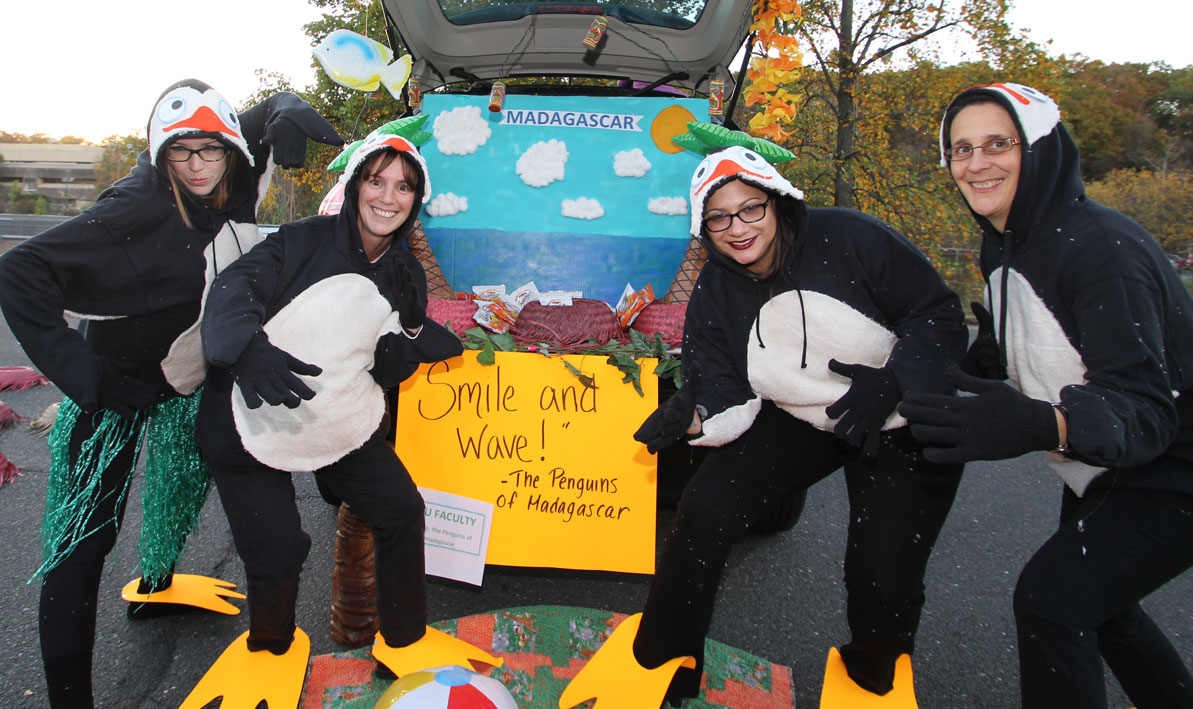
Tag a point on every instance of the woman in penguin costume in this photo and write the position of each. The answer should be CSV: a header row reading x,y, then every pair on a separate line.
x,y
305,335
1086,353
134,268
803,324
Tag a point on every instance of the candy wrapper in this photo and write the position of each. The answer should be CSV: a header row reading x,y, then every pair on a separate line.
x,y
488,292
559,297
495,315
631,303
523,295
496,311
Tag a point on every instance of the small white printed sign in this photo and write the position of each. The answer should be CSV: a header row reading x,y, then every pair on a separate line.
x,y
456,537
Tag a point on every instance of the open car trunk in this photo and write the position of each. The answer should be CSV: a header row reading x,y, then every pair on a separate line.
x,y
678,43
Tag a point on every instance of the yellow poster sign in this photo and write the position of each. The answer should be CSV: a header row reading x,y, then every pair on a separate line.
x,y
553,452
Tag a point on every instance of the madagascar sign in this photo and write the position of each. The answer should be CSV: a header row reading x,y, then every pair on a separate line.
x,y
553,453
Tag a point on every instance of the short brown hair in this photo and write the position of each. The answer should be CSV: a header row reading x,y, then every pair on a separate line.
x,y
377,162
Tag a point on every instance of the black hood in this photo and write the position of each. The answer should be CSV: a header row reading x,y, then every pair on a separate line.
x,y
1049,177
1050,171
349,214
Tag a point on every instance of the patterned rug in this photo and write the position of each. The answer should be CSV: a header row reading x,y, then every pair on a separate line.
x,y
543,648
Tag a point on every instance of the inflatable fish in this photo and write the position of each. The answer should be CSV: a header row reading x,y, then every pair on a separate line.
x,y
357,62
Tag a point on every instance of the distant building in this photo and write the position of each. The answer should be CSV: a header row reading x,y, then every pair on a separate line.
x,y
63,174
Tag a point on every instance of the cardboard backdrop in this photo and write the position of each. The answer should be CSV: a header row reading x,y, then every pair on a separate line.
x,y
508,185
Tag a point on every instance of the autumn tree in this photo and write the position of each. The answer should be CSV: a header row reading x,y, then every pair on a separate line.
x,y
9,137
120,155
843,40
1161,203
1106,110
296,193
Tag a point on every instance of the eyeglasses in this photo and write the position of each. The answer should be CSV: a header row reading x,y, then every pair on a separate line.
x,y
748,215
207,153
998,146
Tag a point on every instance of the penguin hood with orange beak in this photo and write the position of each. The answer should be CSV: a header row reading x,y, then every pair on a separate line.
x,y
734,162
192,109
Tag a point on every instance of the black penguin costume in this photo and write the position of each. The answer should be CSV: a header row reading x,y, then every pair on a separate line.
x,y
134,270
311,291
846,287
1090,317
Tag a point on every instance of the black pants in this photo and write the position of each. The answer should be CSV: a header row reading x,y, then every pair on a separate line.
x,y
1077,601
898,504
267,530
66,614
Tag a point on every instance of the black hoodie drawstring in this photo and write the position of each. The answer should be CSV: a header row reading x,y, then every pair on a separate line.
x,y
758,320
803,326
215,264
1002,305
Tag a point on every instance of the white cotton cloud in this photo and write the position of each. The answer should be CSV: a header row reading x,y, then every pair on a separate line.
x,y
668,205
543,163
461,130
582,208
447,204
631,163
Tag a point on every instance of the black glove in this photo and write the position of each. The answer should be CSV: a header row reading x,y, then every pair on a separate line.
x,y
864,409
982,358
266,372
288,141
999,422
405,297
672,419
125,395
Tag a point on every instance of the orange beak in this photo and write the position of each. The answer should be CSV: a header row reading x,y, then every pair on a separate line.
x,y
726,168
397,143
204,120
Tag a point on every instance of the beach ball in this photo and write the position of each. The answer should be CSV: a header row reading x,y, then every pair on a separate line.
x,y
450,687
333,200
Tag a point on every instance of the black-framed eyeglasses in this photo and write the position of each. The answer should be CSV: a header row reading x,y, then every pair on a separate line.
x,y
998,146
748,215
207,153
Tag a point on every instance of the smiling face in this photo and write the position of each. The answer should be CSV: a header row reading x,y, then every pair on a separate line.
x,y
198,176
385,198
748,244
988,182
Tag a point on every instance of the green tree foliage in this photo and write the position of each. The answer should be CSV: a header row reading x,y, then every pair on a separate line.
x,y
120,155
297,193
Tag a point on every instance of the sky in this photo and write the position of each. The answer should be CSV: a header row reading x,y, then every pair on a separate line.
x,y
94,69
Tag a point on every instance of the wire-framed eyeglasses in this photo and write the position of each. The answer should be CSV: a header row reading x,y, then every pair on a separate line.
x,y
207,153
998,146
748,215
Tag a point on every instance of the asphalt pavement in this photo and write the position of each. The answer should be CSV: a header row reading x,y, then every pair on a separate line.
x,y
782,596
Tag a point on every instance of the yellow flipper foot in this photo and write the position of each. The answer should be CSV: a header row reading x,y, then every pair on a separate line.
x,y
245,678
189,590
435,649
841,692
615,679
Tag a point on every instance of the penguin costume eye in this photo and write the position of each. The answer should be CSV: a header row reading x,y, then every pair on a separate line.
x,y
701,171
753,157
228,115
171,109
